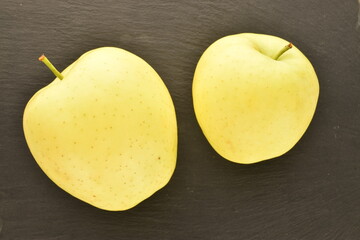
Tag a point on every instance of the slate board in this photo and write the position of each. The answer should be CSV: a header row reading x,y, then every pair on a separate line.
x,y
312,192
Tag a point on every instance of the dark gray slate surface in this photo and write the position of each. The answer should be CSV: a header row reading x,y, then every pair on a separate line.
x,y
312,192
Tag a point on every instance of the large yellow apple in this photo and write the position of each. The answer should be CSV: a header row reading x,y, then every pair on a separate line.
x,y
252,98
106,133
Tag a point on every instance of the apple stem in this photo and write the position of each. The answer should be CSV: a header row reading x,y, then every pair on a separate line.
x,y
283,50
46,61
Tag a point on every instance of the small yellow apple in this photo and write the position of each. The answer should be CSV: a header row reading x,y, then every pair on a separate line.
x,y
253,99
106,133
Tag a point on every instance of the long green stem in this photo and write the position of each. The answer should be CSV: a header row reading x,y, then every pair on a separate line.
x,y
284,49
46,61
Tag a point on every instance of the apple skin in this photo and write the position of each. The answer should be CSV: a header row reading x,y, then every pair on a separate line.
x,y
107,132
249,106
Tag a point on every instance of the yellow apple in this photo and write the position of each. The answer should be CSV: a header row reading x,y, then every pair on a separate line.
x,y
106,133
253,99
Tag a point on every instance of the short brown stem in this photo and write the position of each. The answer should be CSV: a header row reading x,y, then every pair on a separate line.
x,y
283,50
